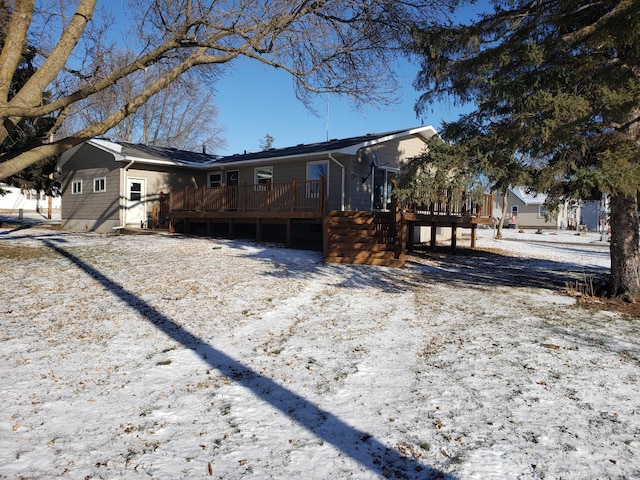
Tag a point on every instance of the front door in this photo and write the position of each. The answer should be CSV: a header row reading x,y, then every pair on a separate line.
x,y
136,192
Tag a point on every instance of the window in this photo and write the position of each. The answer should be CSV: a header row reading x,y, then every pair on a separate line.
x,y
542,211
232,178
263,175
135,191
215,180
76,187
315,171
514,210
99,184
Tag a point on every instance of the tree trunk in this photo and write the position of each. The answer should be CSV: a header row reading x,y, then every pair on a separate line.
x,y
625,248
505,206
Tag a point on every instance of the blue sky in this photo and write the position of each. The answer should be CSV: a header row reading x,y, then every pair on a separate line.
x,y
254,100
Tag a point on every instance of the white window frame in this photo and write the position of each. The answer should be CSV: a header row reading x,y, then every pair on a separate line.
x,y
311,193
76,187
214,183
542,211
99,184
514,210
261,184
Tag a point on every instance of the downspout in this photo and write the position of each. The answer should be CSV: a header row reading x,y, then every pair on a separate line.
x,y
123,188
342,179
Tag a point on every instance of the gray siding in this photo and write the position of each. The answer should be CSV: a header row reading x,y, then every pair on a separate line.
x,y
287,171
160,180
89,210
103,211
393,154
390,155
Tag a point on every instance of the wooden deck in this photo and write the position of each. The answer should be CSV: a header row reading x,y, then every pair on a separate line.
x,y
374,238
275,200
460,214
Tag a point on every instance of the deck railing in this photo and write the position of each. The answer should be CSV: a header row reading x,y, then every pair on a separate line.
x,y
456,208
297,196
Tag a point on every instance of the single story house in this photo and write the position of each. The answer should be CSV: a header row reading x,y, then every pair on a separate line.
x,y
108,185
14,200
527,209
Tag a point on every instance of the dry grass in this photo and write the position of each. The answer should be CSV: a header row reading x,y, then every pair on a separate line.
x,y
12,252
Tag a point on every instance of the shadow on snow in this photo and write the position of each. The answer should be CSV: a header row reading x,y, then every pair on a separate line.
x,y
356,444
463,268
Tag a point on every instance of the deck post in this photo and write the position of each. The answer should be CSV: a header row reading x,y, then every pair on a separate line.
x,y
288,227
293,195
268,196
454,236
403,239
323,194
244,197
259,229
325,234
232,229
411,234
433,236
473,235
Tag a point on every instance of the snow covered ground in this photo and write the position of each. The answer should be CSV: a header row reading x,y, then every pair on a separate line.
x,y
158,356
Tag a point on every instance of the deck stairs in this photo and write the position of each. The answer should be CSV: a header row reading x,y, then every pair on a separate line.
x,y
368,238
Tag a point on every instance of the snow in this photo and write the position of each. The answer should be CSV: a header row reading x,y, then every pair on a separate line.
x,y
158,356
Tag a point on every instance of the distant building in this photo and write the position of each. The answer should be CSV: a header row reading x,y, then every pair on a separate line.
x,y
28,201
528,209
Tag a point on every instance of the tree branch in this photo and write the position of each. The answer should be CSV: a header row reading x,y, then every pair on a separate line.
x,y
15,43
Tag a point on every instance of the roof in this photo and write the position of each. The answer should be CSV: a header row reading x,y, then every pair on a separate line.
x,y
148,154
346,145
165,153
139,152
528,196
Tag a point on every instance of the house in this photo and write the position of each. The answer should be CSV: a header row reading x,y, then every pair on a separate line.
x,y
595,213
335,194
14,200
527,209
107,185
359,170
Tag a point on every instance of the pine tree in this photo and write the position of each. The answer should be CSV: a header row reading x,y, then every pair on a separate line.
x,y
559,82
267,142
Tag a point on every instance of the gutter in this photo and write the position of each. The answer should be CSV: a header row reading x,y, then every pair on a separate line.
x,y
123,186
342,194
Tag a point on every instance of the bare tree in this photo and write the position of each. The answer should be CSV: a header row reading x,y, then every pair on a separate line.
x,y
344,46
183,115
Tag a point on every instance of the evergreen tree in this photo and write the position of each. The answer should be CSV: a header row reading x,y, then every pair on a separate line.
x,y
558,82
442,173
267,142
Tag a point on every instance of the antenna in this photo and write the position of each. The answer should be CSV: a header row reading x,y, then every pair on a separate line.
x,y
328,112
